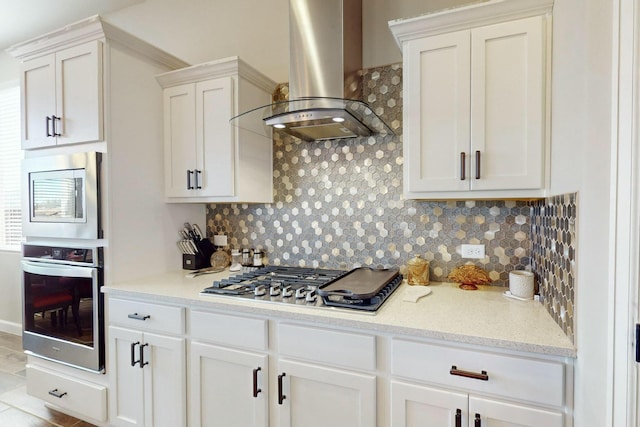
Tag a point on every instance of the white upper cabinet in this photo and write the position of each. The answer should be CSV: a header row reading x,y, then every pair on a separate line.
x,y
206,158
62,97
476,101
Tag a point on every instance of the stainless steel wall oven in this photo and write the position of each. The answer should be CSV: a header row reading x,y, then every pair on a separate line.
x,y
62,304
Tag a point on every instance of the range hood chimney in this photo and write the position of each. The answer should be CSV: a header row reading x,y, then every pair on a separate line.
x,y
325,84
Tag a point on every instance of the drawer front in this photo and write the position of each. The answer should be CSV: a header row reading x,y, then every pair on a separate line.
x,y
147,317
228,330
69,393
332,347
527,379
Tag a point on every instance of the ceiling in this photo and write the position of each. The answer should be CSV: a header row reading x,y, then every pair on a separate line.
x,y
21,20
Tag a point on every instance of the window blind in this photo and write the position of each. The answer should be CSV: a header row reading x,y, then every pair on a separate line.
x,y
10,158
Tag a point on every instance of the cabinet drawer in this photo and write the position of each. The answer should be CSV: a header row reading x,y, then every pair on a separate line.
x,y
528,379
145,316
75,395
235,331
336,348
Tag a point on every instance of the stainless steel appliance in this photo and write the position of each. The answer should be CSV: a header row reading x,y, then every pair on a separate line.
x,y
325,84
63,196
364,289
62,304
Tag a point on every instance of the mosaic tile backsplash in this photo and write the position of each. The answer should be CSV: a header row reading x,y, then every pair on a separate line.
x,y
554,244
339,204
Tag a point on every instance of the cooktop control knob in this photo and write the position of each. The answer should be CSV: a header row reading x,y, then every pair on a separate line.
x,y
300,293
259,291
287,292
310,296
274,289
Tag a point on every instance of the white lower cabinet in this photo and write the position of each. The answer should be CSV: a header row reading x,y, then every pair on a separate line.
x,y
448,385
313,396
148,386
495,413
325,385
422,406
147,368
228,387
246,371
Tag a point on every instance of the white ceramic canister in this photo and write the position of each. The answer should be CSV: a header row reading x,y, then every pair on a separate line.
x,y
521,284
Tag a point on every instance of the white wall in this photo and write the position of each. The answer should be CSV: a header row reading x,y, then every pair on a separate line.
x,y
581,144
10,299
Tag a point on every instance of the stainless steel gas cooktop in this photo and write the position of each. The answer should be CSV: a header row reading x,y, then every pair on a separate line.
x,y
363,288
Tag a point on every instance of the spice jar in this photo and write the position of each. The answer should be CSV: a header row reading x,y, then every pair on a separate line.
x,y
418,271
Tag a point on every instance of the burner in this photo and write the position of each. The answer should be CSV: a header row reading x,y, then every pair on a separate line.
x,y
312,287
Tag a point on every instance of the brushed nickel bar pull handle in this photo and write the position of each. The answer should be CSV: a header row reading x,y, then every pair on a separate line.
x,y
137,316
133,353
256,390
142,362
48,120
463,165
474,375
281,396
56,393
477,164
478,421
458,418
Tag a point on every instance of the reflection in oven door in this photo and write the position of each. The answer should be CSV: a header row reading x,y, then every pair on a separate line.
x,y
63,313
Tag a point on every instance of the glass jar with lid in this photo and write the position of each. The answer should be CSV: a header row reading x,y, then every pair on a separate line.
x,y
418,271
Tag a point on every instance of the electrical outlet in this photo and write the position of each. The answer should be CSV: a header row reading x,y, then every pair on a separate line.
x,y
473,251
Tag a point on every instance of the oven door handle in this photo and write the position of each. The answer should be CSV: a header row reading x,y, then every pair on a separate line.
x,y
57,270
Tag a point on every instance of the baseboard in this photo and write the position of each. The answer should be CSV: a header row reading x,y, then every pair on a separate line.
x,y
10,327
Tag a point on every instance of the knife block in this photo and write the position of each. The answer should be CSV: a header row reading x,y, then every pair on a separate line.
x,y
200,260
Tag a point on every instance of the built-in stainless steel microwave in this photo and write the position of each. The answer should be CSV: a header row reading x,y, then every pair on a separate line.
x,y
63,197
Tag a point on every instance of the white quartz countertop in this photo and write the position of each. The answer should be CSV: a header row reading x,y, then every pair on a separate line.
x,y
482,317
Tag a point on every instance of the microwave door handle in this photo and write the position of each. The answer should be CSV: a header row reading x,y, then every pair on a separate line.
x,y
57,270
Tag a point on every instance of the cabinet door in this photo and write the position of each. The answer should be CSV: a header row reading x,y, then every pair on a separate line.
x,y
38,101
214,138
507,107
436,134
493,413
314,396
222,388
164,381
151,394
180,140
418,406
79,93
126,405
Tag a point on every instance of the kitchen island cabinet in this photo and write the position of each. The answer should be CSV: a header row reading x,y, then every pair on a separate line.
x,y
207,159
476,101
389,369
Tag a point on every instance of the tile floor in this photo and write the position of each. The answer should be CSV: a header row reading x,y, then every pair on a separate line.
x,y
17,408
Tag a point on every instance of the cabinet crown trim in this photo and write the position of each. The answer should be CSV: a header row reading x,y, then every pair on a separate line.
x,y
463,18
231,66
88,29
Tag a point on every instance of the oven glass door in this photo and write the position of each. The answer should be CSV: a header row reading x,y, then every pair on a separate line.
x,y
62,313
58,196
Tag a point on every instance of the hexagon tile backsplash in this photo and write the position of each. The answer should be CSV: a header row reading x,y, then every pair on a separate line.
x,y
339,204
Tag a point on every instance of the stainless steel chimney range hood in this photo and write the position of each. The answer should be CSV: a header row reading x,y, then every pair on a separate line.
x,y
325,77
